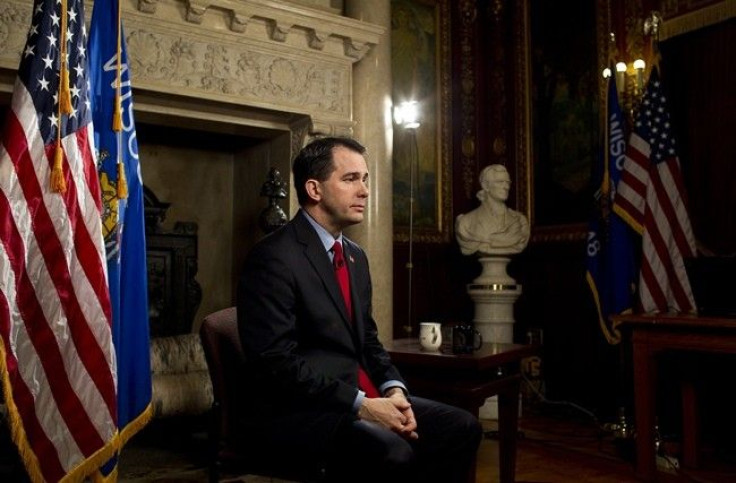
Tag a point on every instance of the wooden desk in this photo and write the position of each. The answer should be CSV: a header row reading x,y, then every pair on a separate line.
x,y
466,381
650,336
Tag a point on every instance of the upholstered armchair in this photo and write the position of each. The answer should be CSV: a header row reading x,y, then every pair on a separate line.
x,y
181,382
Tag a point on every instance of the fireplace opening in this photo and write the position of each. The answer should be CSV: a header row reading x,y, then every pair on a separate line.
x,y
211,177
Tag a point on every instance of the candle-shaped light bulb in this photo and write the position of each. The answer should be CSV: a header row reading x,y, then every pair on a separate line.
x,y
620,76
639,66
606,73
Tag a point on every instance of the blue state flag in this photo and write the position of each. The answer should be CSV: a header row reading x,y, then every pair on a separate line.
x,y
123,221
611,262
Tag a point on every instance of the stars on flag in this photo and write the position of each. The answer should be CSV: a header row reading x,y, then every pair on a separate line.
x,y
40,68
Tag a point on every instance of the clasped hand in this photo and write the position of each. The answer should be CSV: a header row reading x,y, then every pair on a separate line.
x,y
393,412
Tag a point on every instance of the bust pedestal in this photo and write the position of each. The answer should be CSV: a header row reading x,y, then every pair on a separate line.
x,y
494,293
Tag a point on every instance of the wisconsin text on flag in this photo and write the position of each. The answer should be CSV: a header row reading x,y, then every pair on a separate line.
x,y
610,248
123,221
56,352
650,198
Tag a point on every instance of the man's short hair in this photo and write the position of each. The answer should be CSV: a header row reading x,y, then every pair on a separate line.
x,y
314,161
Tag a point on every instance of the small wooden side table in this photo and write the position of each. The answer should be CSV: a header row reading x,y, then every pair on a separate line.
x,y
467,380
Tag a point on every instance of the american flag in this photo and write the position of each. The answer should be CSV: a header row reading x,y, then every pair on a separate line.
x,y
651,198
56,352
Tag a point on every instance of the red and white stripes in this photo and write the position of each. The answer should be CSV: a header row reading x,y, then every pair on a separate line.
x,y
55,313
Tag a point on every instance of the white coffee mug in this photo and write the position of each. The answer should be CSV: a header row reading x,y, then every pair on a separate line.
x,y
430,335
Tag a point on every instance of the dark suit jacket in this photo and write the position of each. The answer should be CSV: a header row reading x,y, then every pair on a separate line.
x,y
301,347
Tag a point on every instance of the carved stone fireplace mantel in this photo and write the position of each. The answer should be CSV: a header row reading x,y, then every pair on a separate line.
x,y
267,74
235,55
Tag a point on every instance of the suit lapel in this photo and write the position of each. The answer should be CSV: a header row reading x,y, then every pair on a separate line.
x,y
314,251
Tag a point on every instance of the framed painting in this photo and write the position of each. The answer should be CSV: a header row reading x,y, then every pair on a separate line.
x,y
561,86
420,60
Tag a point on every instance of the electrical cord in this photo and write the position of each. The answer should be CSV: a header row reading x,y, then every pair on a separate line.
x,y
543,399
602,428
493,434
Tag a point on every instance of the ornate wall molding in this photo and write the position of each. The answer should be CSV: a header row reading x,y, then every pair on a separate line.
x,y
256,53
522,109
239,74
684,16
15,18
497,77
468,144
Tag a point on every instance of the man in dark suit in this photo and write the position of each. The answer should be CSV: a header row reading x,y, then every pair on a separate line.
x,y
324,390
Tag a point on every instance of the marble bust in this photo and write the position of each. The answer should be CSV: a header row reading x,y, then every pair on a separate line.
x,y
492,228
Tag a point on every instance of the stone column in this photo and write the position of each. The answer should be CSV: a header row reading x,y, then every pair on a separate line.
x,y
373,128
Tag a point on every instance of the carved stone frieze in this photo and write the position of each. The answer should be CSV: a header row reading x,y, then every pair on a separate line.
x,y
264,54
14,22
238,73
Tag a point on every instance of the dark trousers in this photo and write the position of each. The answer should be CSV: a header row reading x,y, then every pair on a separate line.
x,y
444,453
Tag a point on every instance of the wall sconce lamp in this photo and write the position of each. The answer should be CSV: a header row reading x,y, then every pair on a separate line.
x,y
621,68
629,81
406,115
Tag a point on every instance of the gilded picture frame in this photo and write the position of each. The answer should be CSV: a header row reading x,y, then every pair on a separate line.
x,y
420,56
556,195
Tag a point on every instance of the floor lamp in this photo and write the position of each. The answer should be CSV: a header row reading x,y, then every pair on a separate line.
x,y
406,115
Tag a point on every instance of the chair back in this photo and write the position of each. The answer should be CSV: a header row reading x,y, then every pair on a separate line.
x,y
226,363
225,360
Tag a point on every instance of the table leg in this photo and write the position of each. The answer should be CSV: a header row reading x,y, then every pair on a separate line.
x,y
508,427
644,387
690,423
474,464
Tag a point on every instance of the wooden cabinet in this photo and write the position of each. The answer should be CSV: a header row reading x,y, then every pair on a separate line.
x,y
173,293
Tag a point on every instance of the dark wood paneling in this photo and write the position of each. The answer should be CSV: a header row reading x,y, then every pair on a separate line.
x,y
578,365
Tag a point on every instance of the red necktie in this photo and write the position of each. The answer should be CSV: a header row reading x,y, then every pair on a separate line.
x,y
341,272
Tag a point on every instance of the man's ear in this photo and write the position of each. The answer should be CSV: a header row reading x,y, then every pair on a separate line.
x,y
314,190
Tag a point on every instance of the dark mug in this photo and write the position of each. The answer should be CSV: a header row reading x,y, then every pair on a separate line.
x,y
465,339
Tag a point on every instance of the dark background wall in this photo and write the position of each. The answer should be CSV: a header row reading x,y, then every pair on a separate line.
x,y
578,364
